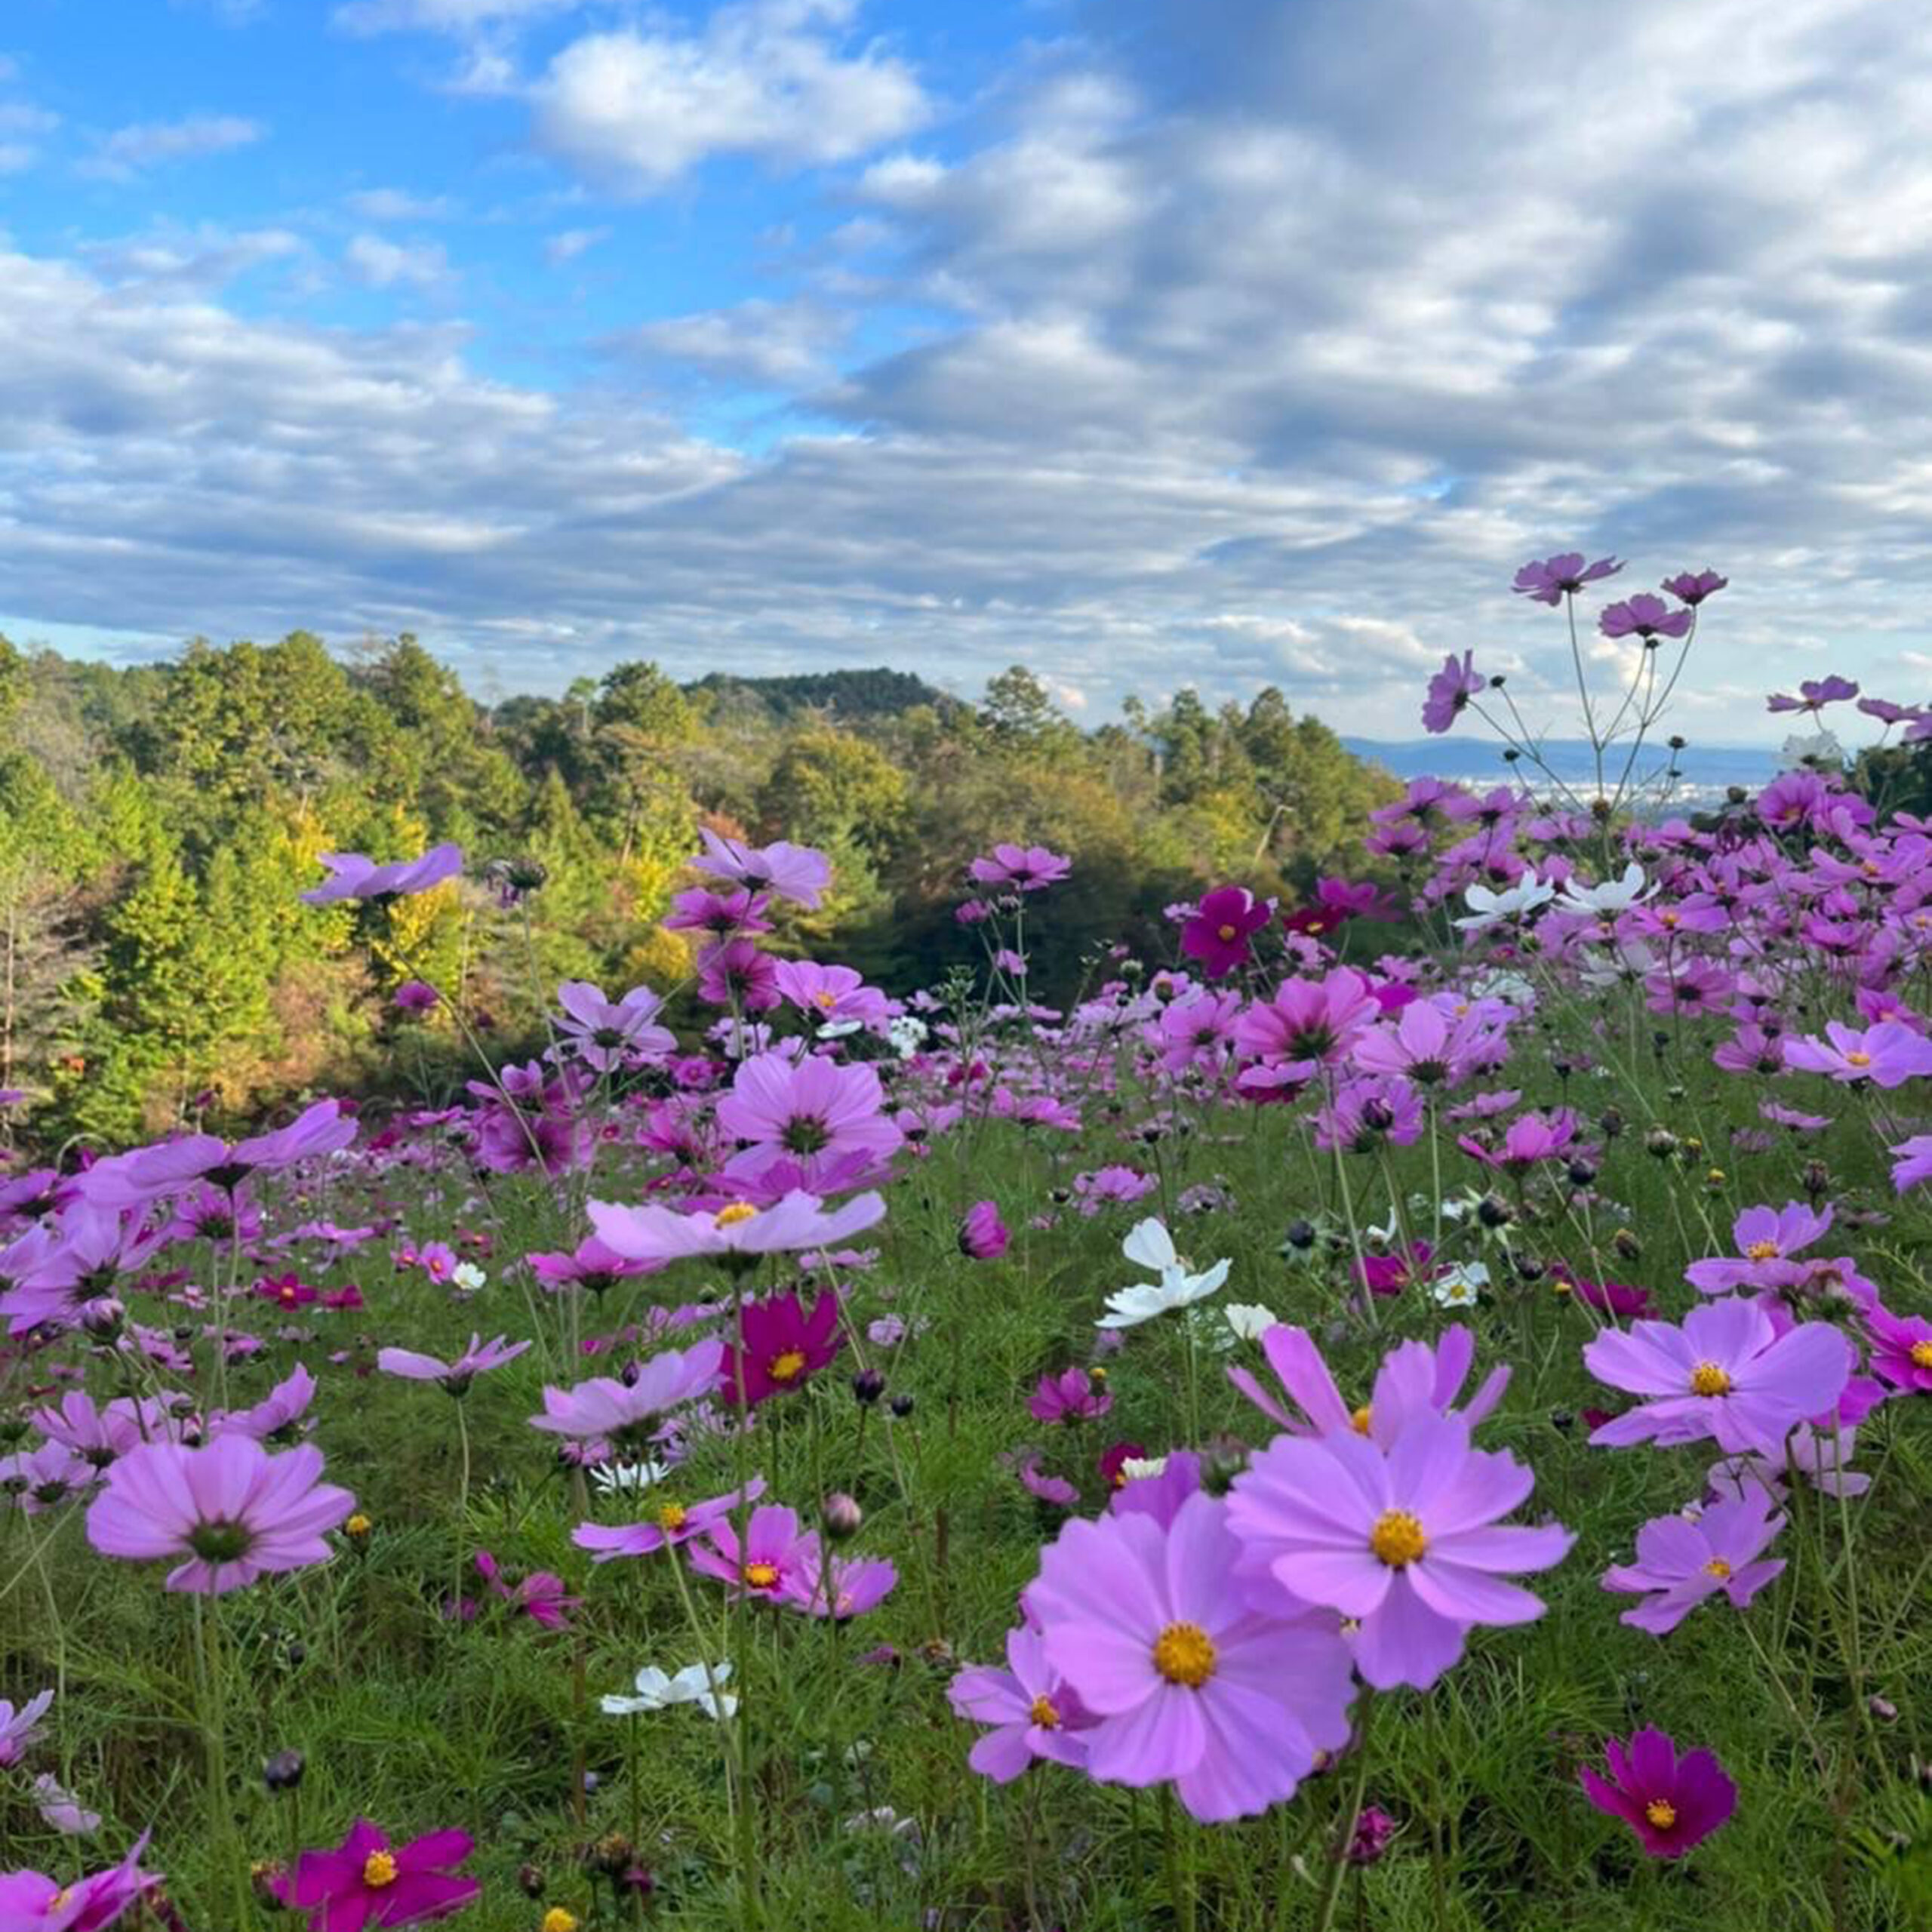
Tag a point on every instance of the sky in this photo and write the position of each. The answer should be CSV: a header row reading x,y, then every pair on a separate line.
x,y
1148,342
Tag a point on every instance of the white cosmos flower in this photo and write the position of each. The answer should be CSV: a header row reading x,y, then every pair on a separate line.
x,y
1487,908
1819,748
466,1277
1153,1247
1623,965
1460,1286
658,1691
1138,1469
611,1476
1608,900
1249,1320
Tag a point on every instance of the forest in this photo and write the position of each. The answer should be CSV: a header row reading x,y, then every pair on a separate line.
x,y
158,820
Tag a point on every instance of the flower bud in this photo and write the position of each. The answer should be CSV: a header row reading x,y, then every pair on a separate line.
x,y
283,1772
841,1516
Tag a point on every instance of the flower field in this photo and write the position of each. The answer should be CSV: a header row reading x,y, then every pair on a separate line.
x,y
1409,1410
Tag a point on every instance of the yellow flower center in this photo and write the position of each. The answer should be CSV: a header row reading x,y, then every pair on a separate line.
x,y
1707,1379
59,1900
761,1576
379,1869
557,1920
1661,1812
825,999
730,1217
1922,1355
357,1525
788,1367
1224,933
1717,1567
1761,1250
1184,1654
1858,1056
1363,1420
1397,1538
672,1516
1043,1713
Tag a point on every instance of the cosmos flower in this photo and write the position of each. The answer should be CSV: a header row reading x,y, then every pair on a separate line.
x,y
657,1690
20,1728
605,1407
1450,692
799,1221
231,1511
31,1902
779,1347
672,1523
1644,616
1148,1625
455,1375
1033,1713
1151,1246
1550,581
1025,868
603,1032
1887,1054
1218,934
365,1881
355,876
796,872
1487,909
1681,1562
1724,1372
1671,1803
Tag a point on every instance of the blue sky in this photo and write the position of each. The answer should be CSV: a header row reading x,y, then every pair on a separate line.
x,y
1230,344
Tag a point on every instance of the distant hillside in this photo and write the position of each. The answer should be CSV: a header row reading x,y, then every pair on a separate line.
x,y
846,695
1706,768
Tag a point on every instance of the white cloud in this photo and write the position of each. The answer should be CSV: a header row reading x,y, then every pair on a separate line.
x,y
633,111
128,151
768,345
569,243
368,16
378,263
22,124
398,204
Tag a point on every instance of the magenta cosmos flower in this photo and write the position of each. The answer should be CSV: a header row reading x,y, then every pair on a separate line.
x,y
1218,933
1072,1395
1724,1372
1681,1562
1308,1024
799,1220
814,1106
776,1560
1693,586
1901,1348
1550,581
796,872
1450,693
1025,868
983,1235
1671,1803
779,1347
1033,1712
455,1375
31,1902
233,1512
1887,1054
356,877
365,1881
1404,1540
1146,1623
606,1407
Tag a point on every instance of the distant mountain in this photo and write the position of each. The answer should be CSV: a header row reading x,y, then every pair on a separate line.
x,y
1706,768
845,694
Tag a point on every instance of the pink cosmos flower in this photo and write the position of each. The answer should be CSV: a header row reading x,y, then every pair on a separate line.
x,y
1887,1054
1025,868
1692,587
605,1033
809,1107
1218,933
1766,1239
1309,1024
796,872
1198,1031
1724,1372
233,1512
721,913
777,1556
673,1523
455,1375
855,1584
1415,1379
1072,1395
1033,1712
1644,616
605,1407
1451,691
20,1728
366,1882
1427,1045
1914,1161
1681,1562
590,1266
1671,1803
277,1413
416,996
1369,1113
31,1902
737,970
1145,1623
799,1221
1562,576
541,1596
357,877
831,996
1405,1538
1813,695
1901,1348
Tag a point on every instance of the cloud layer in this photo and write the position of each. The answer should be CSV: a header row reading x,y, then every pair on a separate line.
x,y
1250,346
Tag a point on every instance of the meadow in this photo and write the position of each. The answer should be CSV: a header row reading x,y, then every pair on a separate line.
x,y
1407,1407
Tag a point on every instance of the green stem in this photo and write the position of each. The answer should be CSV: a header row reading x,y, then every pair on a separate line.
x,y
1338,1853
